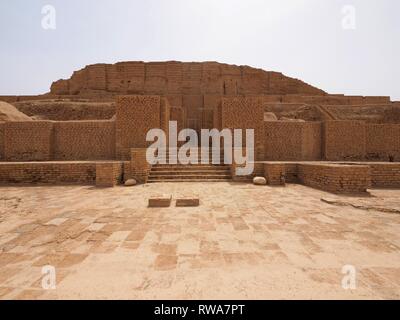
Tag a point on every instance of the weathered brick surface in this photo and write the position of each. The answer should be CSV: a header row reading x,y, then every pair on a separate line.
x,y
199,85
291,172
28,141
312,141
245,113
383,142
335,178
275,173
385,175
287,140
109,174
344,140
48,172
1,141
258,172
84,140
139,167
283,140
135,116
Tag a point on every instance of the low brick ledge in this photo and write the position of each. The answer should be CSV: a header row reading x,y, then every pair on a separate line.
x,y
51,172
381,174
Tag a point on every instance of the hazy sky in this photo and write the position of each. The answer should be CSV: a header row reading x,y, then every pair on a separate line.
x,y
304,39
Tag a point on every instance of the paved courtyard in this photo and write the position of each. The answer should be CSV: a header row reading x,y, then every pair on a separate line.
x,y
242,242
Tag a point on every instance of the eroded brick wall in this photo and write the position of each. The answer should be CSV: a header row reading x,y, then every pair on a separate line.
x,y
275,173
1,141
48,172
109,174
286,140
245,113
283,140
335,178
385,175
383,142
135,116
28,141
344,140
312,141
139,166
84,140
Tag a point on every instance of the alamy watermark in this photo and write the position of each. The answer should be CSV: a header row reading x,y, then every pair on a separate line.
x,y
191,152
349,280
349,19
49,17
49,277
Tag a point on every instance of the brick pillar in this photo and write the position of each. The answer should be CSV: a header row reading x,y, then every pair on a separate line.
x,y
140,168
108,174
275,173
135,116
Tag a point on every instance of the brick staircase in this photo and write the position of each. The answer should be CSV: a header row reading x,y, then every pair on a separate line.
x,y
191,172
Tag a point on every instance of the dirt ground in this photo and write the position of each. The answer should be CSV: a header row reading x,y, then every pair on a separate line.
x,y
242,242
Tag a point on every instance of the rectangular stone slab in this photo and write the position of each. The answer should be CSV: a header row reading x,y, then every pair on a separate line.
x,y
160,201
188,201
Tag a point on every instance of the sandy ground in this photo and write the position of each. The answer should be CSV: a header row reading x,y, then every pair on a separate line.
x,y
242,242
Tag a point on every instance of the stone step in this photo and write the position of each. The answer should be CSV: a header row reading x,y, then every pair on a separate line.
x,y
189,173
189,176
191,168
185,172
187,180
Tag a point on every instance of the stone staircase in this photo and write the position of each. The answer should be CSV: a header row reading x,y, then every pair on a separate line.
x,y
191,172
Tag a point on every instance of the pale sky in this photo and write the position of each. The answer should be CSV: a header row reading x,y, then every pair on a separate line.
x,y
304,39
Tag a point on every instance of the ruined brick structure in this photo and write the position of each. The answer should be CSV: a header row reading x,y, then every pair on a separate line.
x,y
201,95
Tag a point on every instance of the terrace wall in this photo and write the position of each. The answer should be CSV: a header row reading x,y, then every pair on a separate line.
x,y
344,140
1,141
245,113
383,142
385,175
335,178
286,141
28,141
135,116
48,172
84,140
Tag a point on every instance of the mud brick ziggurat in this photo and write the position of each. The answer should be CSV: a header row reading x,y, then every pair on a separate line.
x,y
95,132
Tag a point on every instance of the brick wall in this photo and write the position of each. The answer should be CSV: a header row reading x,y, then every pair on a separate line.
x,y
383,142
109,174
165,116
28,141
257,172
135,116
335,178
291,172
48,172
312,141
245,113
385,175
283,140
84,140
274,173
178,115
1,141
286,140
344,140
139,167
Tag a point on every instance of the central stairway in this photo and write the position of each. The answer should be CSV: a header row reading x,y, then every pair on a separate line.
x,y
191,172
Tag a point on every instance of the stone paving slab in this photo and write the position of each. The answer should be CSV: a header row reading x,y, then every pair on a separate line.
x,y
187,201
160,201
243,242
